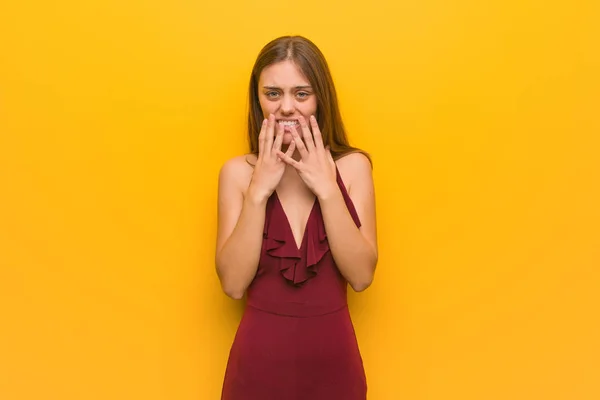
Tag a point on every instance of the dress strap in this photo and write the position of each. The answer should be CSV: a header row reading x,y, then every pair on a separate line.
x,y
347,199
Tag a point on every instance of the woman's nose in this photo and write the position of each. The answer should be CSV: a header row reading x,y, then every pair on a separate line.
x,y
287,105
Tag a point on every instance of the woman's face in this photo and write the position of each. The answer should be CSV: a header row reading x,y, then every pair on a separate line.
x,y
284,92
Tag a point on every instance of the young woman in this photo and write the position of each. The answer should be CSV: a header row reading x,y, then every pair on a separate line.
x,y
296,226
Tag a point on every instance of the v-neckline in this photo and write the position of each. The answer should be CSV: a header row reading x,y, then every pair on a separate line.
x,y
289,226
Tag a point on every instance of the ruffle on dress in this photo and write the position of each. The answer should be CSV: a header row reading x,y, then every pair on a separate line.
x,y
297,265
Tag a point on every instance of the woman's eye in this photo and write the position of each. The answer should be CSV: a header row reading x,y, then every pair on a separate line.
x,y
271,94
302,95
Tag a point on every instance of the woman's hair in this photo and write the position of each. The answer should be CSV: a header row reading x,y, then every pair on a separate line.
x,y
311,62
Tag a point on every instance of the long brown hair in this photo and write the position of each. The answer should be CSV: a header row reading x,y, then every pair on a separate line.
x,y
311,62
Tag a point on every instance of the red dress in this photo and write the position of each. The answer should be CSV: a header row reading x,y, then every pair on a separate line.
x,y
296,340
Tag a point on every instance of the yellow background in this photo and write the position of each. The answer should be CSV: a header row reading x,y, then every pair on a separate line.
x,y
482,120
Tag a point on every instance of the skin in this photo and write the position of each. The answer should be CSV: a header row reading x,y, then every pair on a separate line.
x,y
294,162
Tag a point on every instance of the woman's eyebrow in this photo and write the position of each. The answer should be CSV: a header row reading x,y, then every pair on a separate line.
x,y
297,87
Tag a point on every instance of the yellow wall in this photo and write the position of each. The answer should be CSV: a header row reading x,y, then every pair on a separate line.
x,y
482,119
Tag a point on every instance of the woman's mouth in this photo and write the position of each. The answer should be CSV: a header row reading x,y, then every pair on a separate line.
x,y
287,124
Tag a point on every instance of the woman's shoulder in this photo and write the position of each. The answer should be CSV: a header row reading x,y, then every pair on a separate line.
x,y
238,170
243,161
354,160
354,167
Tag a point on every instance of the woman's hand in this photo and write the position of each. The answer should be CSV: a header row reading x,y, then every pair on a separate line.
x,y
316,168
269,167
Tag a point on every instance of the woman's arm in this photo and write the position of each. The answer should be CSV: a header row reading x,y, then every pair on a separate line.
x,y
240,229
354,250
243,195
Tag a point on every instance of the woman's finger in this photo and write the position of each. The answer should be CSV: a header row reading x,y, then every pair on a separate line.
x,y
288,159
330,156
316,132
270,132
261,138
308,139
278,138
290,150
299,143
